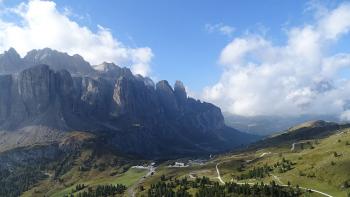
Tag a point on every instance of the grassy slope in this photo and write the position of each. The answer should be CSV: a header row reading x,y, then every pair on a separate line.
x,y
328,178
51,188
93,177
127,178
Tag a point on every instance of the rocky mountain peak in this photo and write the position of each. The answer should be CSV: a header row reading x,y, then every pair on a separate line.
x,y
149,82
112,71
180,91
37,55
166,96
163,85
12,53
10,61
57,61
106,67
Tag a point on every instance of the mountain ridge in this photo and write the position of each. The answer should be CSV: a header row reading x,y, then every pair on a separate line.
x,y
138,116
316,129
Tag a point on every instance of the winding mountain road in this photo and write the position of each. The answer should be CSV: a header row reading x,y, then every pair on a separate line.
x,y
131,190
304,188
218,172
319,192
263,154
275,177
278,179
293,146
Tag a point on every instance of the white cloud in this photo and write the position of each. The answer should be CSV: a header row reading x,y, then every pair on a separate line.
x,y
220,28
301,76
336,22
43,25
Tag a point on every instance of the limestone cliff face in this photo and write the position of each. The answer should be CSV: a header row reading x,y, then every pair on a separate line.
x,y
36,88
5,96
166,97
33,97
10,62
137,116
132,97
180,92
94,98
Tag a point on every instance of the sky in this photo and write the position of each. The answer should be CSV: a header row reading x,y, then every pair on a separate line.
x,y
248,57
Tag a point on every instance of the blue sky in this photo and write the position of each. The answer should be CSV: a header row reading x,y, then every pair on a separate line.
x,y
175,30
248,57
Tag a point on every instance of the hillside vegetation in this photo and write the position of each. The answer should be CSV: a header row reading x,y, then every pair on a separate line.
x,y
296,167
321,164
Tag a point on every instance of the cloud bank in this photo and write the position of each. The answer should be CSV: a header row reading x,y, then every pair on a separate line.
x,y
40,24
302,76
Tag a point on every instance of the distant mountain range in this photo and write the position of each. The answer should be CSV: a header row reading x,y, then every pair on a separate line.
x,y
47,93
311,130
267,125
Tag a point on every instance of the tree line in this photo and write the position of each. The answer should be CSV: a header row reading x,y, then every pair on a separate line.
x,y
98,191
204,187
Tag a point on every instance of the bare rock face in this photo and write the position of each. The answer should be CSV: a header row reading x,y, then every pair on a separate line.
x,y
36,87
133,97
107,67
166,96
180,92
136,115
96,97
35,97
5,96
10,62
64,83
205,116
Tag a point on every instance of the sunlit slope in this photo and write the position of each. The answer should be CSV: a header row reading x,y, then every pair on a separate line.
x,y
321,164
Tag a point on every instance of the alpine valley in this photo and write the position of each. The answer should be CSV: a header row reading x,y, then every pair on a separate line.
x,y
68,128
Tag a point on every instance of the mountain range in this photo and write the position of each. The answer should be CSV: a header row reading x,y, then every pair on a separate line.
x,y
268,125
47,94
68,128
